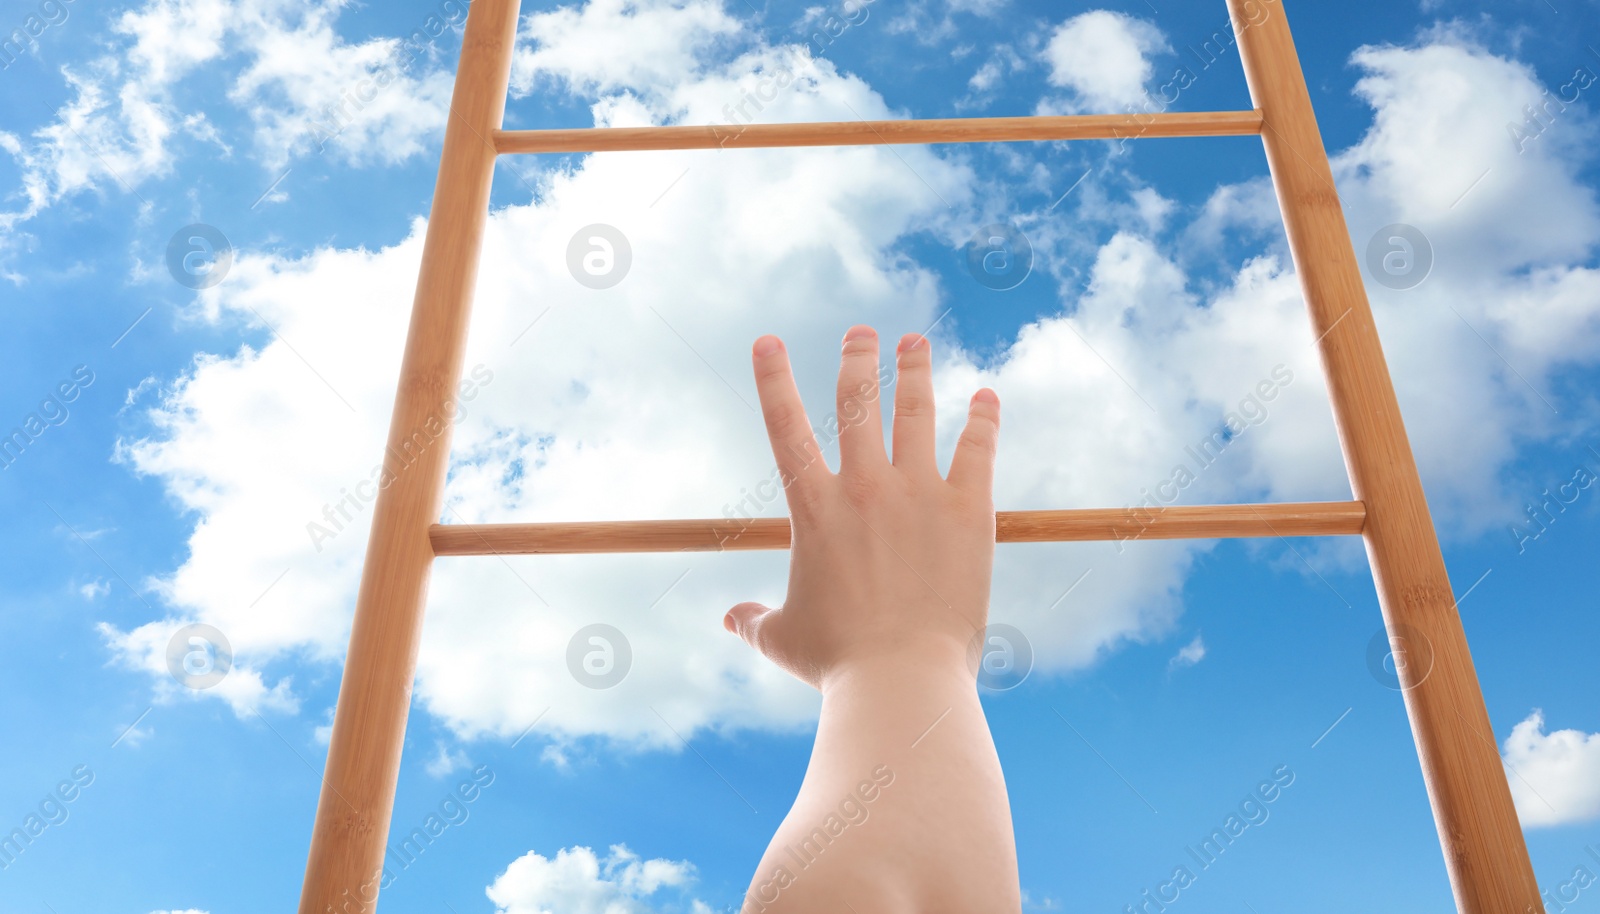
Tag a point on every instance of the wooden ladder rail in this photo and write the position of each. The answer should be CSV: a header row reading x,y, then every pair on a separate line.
x,y
349,840
1484,850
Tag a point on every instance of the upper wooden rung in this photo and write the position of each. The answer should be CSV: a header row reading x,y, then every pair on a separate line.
x,y
1339,518
875,133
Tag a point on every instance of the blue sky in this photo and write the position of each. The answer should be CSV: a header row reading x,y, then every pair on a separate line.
x,y
206,430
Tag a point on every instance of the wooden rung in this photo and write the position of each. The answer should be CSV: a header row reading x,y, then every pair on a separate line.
x,y
1335,518
873,133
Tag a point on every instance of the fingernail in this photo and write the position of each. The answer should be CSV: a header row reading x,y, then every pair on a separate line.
x,y
985,395
727,622
910,341
859,332
767,345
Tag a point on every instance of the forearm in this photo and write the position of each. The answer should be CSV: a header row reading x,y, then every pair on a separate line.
x,y
903,807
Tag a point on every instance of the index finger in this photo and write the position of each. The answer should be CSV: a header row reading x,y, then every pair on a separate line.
x,y
794,445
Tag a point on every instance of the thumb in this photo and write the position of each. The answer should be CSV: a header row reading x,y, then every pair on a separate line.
x,y
746,620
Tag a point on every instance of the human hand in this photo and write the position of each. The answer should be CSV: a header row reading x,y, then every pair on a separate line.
x,y
889,562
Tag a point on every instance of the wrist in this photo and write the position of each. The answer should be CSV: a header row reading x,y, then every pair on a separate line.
x,y
921,661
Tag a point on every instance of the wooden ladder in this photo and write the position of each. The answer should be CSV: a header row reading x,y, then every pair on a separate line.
x,y
1482,841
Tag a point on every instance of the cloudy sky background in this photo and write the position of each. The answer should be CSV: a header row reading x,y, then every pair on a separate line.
x,y
180,485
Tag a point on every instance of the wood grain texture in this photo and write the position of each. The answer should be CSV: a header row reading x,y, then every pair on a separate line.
x,y
349,838
873,133
717,534
1483,846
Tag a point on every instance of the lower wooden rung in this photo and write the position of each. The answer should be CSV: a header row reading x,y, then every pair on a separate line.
x,y
1129,126
1335,518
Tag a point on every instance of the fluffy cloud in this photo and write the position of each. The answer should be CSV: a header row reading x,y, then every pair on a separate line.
x,y
303,87
605,45
635,402
307,90
1510,304
576,881
1188,655
1554,777
604,391
1103,57
144,649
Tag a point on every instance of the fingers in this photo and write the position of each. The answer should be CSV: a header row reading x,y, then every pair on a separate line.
x,y
763,628
972,468
913,406
745,620
794,445
860,418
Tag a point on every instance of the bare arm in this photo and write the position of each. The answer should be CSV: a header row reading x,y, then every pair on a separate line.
x,y
903,807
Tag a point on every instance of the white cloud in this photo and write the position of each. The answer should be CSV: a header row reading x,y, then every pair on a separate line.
x,y
602,393
447,761
322,734
184,911
1188,655
1511,300
94,590
307,89
145,649
93,142
633,402
607,45
989,76
172,37
576,881
932,22
300,83
1554,777
115,131
1103,57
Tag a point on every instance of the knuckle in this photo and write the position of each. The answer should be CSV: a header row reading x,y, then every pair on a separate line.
x,y
782,419
979,440
853,406
912,406
804,502
857,388
861,489
769,371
